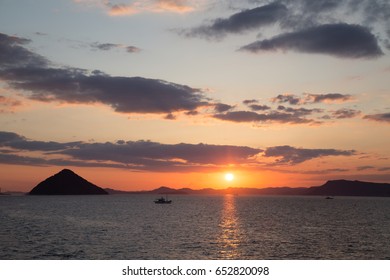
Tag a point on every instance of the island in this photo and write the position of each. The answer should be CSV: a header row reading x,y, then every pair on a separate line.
x,y
66,182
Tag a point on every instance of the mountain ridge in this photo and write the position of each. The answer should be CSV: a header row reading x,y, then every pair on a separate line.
x,y
339,187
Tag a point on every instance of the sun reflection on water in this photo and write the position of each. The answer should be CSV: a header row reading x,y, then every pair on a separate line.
x,y
230,235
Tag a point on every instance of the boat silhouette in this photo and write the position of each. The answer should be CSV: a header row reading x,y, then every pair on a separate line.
x,y
162,200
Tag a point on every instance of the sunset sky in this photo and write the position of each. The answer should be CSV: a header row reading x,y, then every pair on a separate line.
x,y
134,95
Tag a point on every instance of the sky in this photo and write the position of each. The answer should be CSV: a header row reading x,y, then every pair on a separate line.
x,y
134,95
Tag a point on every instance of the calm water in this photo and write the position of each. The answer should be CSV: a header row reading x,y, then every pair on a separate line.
x,y
193,227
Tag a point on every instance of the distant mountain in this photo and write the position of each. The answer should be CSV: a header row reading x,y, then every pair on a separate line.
x,y
330,188
160,190
66,182
350,188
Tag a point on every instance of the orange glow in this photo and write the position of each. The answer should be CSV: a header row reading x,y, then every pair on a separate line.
x,y
229,177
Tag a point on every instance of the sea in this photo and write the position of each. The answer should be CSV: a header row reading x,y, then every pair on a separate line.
x,y
118,227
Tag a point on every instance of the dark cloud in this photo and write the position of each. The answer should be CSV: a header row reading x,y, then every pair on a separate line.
x,y
250,101
292,155
328,97
132,49
13,54
340,40
323,171
310,98
304,13
309,26
378,117
239,22
39,161
25,70
364,167
257,107
221,107
104,47
252,104
299,112
18,142
6,137
135,155
141,152
274,116
287,98
148,155
345,113
110,46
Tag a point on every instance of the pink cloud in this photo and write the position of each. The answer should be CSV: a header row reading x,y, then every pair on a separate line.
x,y
128,8
9,104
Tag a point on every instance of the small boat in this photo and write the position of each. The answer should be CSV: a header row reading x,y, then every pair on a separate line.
x,y
328,197
162,200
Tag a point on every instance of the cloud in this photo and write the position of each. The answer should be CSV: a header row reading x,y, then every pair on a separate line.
x,y
310,98
149,155
274,116
13,54
287,98
327,98
338,28
239,22
178,6
252,104
110,46
147,152
385,117
121,9
345,113
299,112
104,47
257,107
6,137
15,141
132,49
291,155
364,167
134,155
340,40
115,8
8,104
39,161
221,107
27,71
250,101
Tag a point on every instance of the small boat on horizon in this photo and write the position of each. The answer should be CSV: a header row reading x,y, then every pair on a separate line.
x,y
162,200
329,197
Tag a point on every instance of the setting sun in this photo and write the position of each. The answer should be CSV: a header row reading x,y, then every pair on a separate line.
x,y
229,177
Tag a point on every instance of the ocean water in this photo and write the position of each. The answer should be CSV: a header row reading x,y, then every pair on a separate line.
x,y
194,227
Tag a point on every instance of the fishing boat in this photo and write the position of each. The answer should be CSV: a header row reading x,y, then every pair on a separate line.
x,y
162,200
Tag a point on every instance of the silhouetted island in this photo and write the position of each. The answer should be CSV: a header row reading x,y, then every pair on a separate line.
x,y
66,182
351,188
330,188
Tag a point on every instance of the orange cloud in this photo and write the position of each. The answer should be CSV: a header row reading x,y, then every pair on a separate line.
x,y
129,8
178,6
122,10
9,104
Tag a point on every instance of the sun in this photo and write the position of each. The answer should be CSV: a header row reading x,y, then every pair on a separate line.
x,y
229,177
